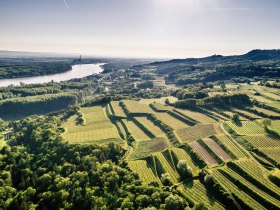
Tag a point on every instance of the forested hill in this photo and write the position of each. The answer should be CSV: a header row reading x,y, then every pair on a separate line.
x,y
256,63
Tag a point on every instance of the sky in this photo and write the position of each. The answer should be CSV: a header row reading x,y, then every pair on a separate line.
x,y
140,28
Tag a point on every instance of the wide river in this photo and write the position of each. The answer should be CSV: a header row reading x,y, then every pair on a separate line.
x,y
78,71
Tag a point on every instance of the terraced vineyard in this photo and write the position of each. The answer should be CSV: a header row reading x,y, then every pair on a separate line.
x,y
161,100
116,109
196,116
266,111
250,114
171,121
272,153
97,127
136,132
196,132
150,126
161,107
145,148
197,192
247,128
144,171
231,145
137,107
180,154
208,159
252,188
262,141
232,188
163,166
216,149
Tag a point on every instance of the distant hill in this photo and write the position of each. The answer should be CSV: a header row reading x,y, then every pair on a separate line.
x,y
256,63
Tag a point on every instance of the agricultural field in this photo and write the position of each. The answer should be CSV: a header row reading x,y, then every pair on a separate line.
x,y
135,131
246,113
196,132
137,107
262,141
232,188
197,192
144,171
145,148
197,116
161,107
96,127
116,109
205,155
163,166
154,129
272,152
216,149
171,121
246,128
262,99
181,154
276,125
267,112
161,100
231,145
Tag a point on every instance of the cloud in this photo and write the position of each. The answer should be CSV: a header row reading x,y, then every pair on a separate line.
x,y
66,4
228,9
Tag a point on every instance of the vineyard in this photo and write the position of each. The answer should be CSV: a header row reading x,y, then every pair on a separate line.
x,y
162,100
150,126
246,128
262,141
196,132
97,127
145,148
137,107
144,171
216,149
196,192
196,116
170,121
231,145
161,108
116,109
135,131
208,159
163,166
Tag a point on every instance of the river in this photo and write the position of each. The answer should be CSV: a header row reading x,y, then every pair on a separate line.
x,y
78,71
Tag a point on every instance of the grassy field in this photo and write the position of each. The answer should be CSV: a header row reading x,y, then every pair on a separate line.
x,y
196,132
197,116
246,128
97,127
144,148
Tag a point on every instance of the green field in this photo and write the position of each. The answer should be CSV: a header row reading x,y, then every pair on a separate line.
x,y
246,128
197,116
171,121
97,127
116,109
135,131
154,129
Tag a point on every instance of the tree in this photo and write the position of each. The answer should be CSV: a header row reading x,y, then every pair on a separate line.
x,y
174,202
200,206
184,169
166,179
235,118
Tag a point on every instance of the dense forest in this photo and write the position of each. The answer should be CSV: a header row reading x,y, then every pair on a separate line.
x,y
42,171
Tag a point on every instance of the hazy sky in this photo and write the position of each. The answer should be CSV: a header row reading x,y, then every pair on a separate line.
x,y
148,28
